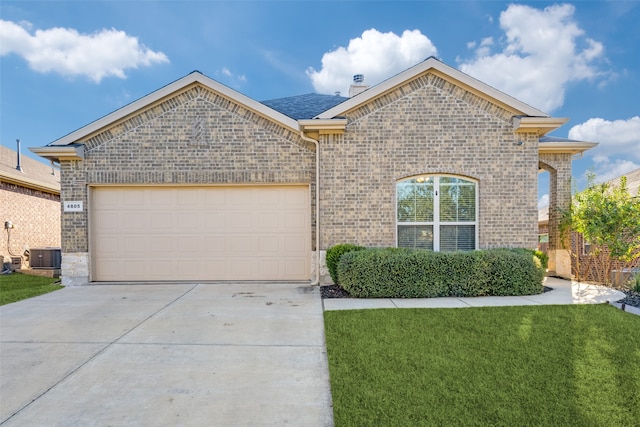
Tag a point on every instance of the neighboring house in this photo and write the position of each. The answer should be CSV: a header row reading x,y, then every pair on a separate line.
x,y
583,263
30,202
198,182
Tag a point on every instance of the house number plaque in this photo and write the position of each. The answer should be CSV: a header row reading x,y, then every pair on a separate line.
x,y
74,206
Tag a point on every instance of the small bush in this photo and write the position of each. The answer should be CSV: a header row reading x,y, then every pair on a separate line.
x,y
406,273
334,254
543,257
635,283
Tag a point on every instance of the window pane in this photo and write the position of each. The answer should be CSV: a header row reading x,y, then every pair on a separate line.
x,y
457,237
457,200
424,202
415,236
415,201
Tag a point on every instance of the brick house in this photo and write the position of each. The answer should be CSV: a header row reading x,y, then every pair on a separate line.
x,y
198,182
584,265
30,201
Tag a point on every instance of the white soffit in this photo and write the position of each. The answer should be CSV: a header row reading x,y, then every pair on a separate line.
x,y
166,91
451,73
572,147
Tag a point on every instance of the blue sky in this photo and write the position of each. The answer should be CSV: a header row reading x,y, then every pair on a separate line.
x,y
64,64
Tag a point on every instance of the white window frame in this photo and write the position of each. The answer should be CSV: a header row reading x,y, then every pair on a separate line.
x,y
436,224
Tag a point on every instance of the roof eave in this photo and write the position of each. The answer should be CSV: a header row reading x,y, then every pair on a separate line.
x,y
323,125
565,147
539,125
442,70
57,153
30,183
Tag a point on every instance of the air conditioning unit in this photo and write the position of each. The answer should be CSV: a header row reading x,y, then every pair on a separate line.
x,y
45,258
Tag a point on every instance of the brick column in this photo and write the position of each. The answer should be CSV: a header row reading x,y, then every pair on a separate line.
x,y
559,167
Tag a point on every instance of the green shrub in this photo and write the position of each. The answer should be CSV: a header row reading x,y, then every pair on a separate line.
x,y
514,272
635,283
334,254
406,273
543,257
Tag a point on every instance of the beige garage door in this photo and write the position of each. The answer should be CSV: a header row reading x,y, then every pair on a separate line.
x,y
200,233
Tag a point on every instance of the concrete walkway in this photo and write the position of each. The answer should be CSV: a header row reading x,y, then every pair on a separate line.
x,y
564,292
165,355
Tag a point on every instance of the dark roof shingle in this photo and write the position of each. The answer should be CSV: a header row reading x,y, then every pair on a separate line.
x,y
304,106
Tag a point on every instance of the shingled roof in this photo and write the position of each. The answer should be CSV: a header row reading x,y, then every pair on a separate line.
x,y
304,106
34,174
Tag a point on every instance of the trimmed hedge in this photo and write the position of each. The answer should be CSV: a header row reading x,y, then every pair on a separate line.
x,y
407,273
334,254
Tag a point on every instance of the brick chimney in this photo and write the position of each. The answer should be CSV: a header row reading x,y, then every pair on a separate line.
x,y
357,86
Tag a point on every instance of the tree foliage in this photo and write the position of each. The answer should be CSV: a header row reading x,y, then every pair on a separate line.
x,y
608,217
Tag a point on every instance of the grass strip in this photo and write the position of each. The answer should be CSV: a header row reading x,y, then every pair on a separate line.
x,y
15,287
573,365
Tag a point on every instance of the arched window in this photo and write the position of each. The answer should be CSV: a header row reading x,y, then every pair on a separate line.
x,y
437,212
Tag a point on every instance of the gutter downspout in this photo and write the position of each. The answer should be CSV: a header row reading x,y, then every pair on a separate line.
x,y
316,281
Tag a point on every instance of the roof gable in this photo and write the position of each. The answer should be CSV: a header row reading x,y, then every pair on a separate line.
x,y
192,79
450,74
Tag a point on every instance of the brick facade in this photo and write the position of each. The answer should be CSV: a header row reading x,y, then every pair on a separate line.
x,y
427,126
194,138
35,215
196,132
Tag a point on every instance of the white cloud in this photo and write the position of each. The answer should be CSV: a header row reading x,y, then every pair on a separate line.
x,y
376,55
615,137
543,202
607,169
542,51
232,79
106,53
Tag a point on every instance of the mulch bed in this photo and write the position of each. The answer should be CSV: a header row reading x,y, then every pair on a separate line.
x,y
334,291
632,299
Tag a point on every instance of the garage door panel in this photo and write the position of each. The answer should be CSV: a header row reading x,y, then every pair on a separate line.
x,y
189,198
133,245
164,199
268,268
108,245
294,266
200,233
294,244
240,220
162,220
269,220
160,245
214,221
188,245
295,220
110,220
133,221
297,198
214,245
239,198
187,220
268,245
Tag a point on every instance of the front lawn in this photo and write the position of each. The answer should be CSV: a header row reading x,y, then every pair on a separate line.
x,y
15,287
573,365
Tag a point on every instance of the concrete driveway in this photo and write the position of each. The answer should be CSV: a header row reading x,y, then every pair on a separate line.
x,y
183,354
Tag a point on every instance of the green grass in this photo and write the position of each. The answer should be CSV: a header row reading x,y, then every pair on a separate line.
x,y
491,366
15,287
